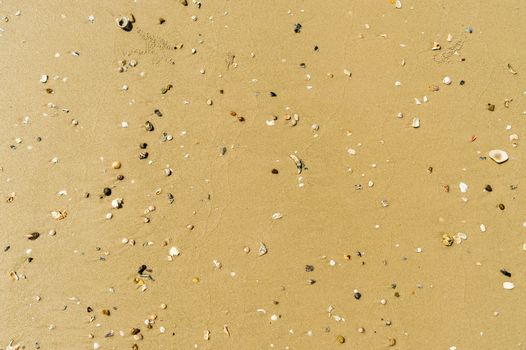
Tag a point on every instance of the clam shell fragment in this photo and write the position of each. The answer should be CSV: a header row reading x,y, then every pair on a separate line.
x,y
498,156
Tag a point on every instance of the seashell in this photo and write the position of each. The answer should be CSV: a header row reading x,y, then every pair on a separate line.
x,y
58,215
277,216
117,203
174,252
262,249
463,187
298,162
498,156
416,123
508,285
124,23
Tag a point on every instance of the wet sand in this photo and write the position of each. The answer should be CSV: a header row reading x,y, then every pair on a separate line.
x,y
355,255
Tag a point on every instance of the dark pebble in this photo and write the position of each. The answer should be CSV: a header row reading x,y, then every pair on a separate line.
x,y
107,191
275,171
357,295
462,82
491,107
142,268
488,188
309,268
143,145
148,126
316,48
501,206
143,155
89,309
158,113
505,272
273,94
297,28
120,177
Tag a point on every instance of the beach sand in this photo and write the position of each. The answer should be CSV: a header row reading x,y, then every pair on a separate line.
x,y
354,252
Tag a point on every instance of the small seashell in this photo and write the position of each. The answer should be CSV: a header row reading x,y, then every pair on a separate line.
x,y
117,203
398,4
262,249
58,215
498,156
463,187
44,78
277,216
415,123
508,285
124,23
174,252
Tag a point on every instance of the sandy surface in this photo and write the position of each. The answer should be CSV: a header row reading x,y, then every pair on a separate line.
x,y
367,213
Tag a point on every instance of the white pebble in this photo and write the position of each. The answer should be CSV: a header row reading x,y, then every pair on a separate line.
x,y
508,285
463,187
447,80
44,78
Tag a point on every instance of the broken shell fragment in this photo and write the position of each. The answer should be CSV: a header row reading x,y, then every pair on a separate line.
x,y
498,156
447,240
117,203
174,251
299,163
262,249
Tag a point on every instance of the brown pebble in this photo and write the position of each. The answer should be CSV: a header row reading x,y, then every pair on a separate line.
x,y
33,236
135,331
501,206
116,165
491,107
241,119
49,91
120,177
341,339
233,114
106,312
275,171
161,20
183,2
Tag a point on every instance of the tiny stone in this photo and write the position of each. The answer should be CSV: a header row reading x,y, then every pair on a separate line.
x,y
116,165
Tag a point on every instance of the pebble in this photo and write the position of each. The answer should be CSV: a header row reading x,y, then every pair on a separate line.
x,y
508,285
116,165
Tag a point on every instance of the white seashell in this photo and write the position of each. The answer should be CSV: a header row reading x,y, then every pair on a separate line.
x,y
277,216
262,249
44,78
415,123
117,203
351,151
123,22
398,4
508,285
447,80
498,155
270,122
482,228
347,72
174,251
463,187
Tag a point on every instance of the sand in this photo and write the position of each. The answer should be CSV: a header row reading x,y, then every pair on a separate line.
x,y
367,213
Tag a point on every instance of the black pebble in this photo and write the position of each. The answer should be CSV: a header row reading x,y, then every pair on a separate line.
x,y
316,48
501,206
143,145
142,268
505,272
309,268
275,171
303,65
107,191
297,28
357,295
462,82
89,309
158,113
488,188
120,177
273,94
